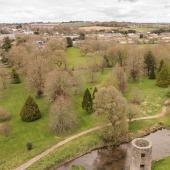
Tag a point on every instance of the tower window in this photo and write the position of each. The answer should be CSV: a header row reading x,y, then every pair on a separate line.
x,y
142,155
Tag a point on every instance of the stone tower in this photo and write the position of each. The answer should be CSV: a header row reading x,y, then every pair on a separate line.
x,y
141,154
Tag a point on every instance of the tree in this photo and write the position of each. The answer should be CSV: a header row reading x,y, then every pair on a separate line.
x,y
150,64
3,78
121,78
160,65
87,103
82,36
36,73
30,111
94,92
121,55
7,44
135,64
62,117
69,42
15,77
163,77
58,83
109,101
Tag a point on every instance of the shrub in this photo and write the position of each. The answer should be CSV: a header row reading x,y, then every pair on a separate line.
x,y
136,96
133,111
4,115
168,93
5,129
29,146
30,111
15,77
87,103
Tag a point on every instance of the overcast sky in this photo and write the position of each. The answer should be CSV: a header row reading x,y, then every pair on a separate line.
x,y
87,10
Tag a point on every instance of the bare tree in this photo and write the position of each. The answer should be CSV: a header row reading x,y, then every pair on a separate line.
x,y
36,73
62,117
121,78
4,77
109,101
58,83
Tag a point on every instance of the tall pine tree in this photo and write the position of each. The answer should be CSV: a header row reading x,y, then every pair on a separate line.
x,y
163,77
87,103
150,64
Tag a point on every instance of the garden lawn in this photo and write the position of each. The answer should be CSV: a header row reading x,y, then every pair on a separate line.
x,y
162,164
153,96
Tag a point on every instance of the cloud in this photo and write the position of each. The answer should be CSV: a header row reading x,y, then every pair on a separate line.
x,y
102,10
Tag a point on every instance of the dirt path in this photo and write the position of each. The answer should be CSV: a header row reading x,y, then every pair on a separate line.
x,y
46,152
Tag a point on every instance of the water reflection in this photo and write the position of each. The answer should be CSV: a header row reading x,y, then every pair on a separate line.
x,y
118,159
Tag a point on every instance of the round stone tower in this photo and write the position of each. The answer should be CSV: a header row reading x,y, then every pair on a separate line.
x,y
141,154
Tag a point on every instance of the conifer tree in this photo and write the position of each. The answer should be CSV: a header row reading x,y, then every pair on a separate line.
x,y
160,65
87,103
94,92
150,64
163,77
6,44
30,111
69,42
15,77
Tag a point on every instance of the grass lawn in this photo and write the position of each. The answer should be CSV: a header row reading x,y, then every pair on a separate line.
x,y
153,96
68,151
162,164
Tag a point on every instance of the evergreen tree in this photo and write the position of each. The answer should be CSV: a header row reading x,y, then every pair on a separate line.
x,y
6,44
30,111
69,42
82,36
150,64
94,92
160,65
163,77
87,103
152,73
15,77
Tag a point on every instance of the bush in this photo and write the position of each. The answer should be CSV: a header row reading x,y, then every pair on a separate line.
x,y
15,77
30,111
5,129
136,96
168,94
4,115
29,146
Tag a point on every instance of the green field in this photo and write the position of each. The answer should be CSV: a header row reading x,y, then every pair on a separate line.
x,y
13,148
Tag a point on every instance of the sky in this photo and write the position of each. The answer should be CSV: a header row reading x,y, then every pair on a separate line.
x,y
84,10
